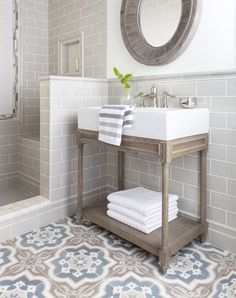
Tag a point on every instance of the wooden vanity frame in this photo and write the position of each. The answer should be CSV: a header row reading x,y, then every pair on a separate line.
x,y
171,237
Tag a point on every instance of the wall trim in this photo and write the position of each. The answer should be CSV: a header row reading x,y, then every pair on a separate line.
x,y
184,76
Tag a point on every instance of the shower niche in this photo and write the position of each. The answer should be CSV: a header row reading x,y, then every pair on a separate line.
x,y
70,53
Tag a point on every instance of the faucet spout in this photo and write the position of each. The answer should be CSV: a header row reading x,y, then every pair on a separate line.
x,y
150,96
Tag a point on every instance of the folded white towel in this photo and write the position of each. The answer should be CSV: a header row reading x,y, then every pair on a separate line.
x,y
149,223
139,199
112,120
156,215
137,225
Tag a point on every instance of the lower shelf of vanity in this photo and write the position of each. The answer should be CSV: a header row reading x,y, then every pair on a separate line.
x,y
181,230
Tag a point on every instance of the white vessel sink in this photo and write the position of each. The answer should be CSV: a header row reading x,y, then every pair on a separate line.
x,y
155,123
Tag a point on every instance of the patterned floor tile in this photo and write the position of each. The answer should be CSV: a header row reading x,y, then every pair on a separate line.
x,y
225,286
128,283
27,284
119,245
191,272
7,257
13,261
79,268
83,229
79,264
19,276
216,254
74,222
71,259
49,237
93,234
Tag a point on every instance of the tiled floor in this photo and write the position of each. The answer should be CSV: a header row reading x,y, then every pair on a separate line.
x,y
67,259
12,195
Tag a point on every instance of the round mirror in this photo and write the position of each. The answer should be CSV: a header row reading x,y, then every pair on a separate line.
x,y
156,32
159,20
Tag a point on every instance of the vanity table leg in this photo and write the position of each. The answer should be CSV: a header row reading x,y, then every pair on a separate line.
x,y
120,170
203,195
164,252
80,181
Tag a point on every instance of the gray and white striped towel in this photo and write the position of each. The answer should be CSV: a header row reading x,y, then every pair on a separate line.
x,y
112,120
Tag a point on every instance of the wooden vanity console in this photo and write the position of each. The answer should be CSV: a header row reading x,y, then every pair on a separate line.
x,y
171,237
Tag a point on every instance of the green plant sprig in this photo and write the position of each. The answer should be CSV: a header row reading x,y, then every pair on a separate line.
x,y
124,79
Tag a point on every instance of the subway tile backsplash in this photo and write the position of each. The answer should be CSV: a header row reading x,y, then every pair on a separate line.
x,y
211,88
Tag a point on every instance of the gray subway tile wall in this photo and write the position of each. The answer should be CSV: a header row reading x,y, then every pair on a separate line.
x,y
43,23
34,63
231,87
28,162
8,156
217,93
35,59
72,17
211,87
60,100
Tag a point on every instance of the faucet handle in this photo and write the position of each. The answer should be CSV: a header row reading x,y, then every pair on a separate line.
x,y
188,102
140,94
165,97
167,94
153,89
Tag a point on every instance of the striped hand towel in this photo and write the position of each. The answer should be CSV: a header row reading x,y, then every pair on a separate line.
x,y
112,120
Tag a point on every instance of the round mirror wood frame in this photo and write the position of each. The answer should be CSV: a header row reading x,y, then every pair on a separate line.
x,y
145,53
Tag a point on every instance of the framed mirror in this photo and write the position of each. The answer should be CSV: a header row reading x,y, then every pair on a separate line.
x,y
156,32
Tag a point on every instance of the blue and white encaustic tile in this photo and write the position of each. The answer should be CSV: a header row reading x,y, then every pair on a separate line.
x,y
75,222
188,268
117,243
79,265
225,287
131,285
7,258
24,285
45,238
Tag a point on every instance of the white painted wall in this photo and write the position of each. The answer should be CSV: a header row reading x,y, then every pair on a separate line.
x,y
213,48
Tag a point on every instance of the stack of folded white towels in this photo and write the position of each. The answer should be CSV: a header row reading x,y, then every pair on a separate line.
x,y
140,208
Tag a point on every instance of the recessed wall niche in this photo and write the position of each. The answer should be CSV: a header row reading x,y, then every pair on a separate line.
x,y
71,56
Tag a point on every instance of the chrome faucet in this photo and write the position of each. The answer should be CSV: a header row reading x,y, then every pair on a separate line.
x,y
162,103
152,96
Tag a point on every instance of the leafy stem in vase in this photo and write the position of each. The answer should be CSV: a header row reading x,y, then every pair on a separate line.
x,y
124,79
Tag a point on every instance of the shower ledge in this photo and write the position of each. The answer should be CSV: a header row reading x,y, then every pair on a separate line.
x,y
22,207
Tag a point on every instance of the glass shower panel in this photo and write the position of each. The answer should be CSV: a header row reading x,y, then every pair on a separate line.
x,y
8,59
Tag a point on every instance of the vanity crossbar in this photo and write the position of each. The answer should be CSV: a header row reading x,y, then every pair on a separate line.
x,y
172,236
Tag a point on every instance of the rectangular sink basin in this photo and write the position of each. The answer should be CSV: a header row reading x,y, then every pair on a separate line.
x,y
155,123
